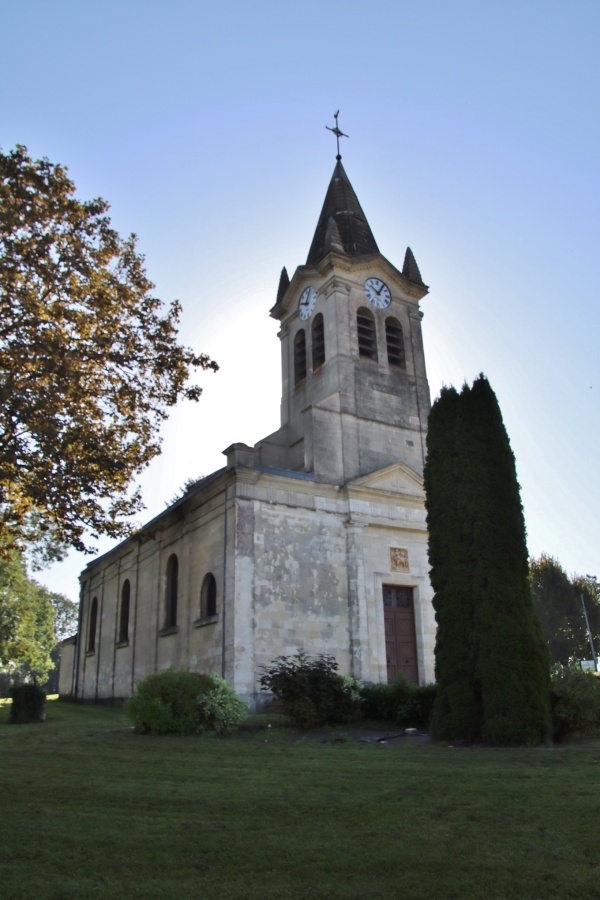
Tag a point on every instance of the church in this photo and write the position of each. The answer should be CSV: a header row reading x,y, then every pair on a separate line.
x,y
313,539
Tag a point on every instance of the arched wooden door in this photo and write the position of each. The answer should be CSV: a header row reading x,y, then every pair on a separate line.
x,y
400,641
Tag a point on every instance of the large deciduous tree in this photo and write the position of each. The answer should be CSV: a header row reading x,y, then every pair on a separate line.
x,y
27,618
89,361
588,587
558,607
557,600
491,659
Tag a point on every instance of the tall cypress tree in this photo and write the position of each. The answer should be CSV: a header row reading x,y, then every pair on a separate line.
x,y
491,659
456,707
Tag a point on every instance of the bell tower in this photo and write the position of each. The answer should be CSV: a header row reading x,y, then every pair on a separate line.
x,y
355,396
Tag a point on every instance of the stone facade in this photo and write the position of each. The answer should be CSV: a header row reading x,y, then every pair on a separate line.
x,y
296,542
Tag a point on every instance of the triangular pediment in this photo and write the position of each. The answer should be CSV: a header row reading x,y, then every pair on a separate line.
x,y
395,479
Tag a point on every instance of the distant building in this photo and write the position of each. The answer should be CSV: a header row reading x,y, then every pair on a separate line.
x,y
316,537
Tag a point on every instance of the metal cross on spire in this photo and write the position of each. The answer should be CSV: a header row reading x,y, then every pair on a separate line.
x,y
338,134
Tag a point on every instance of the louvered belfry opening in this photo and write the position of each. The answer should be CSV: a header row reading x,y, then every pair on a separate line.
x,y
318,342
395,343
367,336
299,357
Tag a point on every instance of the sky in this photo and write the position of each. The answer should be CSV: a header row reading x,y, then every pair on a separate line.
x,y
474,135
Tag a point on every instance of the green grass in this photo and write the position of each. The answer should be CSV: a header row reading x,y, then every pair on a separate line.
x,y
90,809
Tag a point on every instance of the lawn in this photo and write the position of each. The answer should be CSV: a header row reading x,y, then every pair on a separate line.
x,y
91,809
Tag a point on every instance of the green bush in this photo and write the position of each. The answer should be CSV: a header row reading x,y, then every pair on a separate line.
x,y
416,712
383,701
575,702
167,702
172,702
221,710
400,703
28,704
311,691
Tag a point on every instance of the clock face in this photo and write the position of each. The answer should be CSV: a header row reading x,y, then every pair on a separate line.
x,y
377,293
307,303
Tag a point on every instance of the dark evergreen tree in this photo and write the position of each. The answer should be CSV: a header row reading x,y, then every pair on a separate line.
x,y
491,659
456,708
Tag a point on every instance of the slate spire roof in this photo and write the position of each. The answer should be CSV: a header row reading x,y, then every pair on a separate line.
x,y
342,223
410,268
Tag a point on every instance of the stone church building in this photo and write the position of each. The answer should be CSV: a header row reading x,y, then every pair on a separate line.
x,y
315,538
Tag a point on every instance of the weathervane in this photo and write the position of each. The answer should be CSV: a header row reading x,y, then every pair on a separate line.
x,y
338,134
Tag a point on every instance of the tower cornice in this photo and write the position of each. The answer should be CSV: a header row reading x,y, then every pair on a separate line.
x,y
345,268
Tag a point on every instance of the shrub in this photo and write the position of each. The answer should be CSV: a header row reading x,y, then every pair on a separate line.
x,y
383,701
311,690
416,712
167,702
575,702
28,704
172,702
401,703
221,710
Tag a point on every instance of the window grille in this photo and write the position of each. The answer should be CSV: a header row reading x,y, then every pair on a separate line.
x,y
397,597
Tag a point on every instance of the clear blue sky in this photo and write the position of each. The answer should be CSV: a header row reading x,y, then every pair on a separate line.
x,y
474,137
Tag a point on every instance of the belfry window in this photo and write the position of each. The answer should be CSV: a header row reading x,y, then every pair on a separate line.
x,y
367,335
92,625
172,589
124,613
318,342
299,356
395,343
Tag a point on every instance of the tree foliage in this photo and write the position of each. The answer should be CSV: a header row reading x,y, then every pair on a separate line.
x,y
66,616
557,600
587,586
491,660
575,698
89,362
27,618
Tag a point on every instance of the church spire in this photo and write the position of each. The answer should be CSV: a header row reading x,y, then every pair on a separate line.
x,y
341,204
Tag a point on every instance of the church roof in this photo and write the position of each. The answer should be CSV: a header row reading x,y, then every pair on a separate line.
x,y
342,223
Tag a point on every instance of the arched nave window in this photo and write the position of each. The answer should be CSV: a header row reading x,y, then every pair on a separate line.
x,y
124,613
172,589
208,597
92,626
